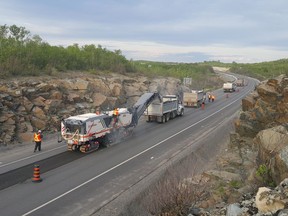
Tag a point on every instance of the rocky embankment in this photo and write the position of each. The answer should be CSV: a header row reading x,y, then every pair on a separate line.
x,y
252,174
29,104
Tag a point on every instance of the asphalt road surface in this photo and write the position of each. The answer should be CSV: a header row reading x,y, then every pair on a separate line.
x,y
78,184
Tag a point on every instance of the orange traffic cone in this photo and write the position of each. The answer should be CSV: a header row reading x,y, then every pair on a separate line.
x,y
202,106
36,175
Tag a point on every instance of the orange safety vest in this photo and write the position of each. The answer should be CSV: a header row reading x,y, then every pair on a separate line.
x,y
116,112
37,137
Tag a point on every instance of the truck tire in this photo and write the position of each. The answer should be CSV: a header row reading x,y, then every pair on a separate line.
x,y
182,112
74,147
148,119
167,117
159,119
173,114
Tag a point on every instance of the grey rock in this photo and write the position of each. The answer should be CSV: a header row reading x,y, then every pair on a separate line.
x,y
283,212
234,210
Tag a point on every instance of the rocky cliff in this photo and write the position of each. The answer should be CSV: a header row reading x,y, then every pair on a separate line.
x,y
265,119
28,104
252,174
264,108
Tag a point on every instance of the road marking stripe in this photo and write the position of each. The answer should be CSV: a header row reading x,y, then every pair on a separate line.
x,y
129,159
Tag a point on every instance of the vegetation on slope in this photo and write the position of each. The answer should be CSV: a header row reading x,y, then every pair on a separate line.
x,y
261,71
26,55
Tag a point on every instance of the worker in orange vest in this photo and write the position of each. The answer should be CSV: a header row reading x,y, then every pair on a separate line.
x,y
213,98
38,139
115,112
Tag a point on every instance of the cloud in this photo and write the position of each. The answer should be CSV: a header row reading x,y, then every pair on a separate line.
x,y
186,30
145,50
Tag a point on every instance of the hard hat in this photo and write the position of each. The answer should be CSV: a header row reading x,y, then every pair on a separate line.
x,y
39,131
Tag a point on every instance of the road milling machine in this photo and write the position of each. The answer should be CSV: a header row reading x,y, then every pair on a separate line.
x,y
88,131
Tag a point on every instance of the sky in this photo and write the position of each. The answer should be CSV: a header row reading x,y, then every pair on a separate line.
x,y
188,31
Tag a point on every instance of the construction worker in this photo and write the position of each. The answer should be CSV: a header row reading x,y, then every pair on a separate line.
x,y
212,98
203,105
115,112
98,112
38,139
209,97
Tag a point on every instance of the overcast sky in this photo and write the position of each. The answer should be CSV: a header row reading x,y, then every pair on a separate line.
x,y
160,30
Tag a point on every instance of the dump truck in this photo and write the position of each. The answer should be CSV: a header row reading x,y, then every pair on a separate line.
x,y
229,87
194,98
86,132
164,108
240,82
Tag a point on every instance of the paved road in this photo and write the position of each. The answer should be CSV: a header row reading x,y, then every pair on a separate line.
x,y
90,184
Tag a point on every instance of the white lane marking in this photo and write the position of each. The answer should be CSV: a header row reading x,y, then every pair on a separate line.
x,y
129,159
34,155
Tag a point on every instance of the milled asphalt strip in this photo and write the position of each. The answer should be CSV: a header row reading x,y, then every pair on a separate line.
x,y
31,156
129,159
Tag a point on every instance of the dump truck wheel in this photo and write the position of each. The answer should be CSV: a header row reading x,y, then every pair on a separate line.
x,y
167,117
182,112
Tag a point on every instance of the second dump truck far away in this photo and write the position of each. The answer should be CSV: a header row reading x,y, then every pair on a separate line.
x,y
229,87
194,98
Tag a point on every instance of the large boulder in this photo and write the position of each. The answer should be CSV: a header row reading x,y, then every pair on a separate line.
x,y
80,84
39,113
268,201
100,86
265,108
98,99
273,149
248,102
165,86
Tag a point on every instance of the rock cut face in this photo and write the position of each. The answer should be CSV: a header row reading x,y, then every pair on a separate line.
x,y
264,108
27,105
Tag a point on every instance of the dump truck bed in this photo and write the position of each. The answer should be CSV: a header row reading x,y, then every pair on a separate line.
x,y
157,108
193,99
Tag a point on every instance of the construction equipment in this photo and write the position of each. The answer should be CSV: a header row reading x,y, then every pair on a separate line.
x,y
194,98
229,87
88,131
165,108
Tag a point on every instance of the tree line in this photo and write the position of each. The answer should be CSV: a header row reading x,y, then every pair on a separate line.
x,y
23,54
261,71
